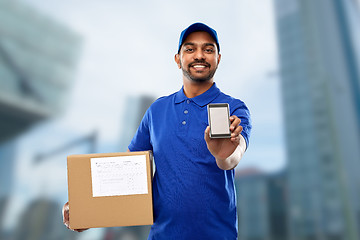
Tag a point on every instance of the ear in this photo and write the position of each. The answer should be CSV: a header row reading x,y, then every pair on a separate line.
x,y
177,60
219,58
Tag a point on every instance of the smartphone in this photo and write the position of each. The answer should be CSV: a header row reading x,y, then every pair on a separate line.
x,y
219,120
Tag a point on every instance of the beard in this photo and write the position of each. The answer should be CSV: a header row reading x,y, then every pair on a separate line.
x,y
187,73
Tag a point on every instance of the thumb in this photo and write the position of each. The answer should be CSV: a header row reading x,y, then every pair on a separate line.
x,y
207,134
65,212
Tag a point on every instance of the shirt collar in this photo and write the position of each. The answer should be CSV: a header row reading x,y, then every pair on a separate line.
x,y
201,100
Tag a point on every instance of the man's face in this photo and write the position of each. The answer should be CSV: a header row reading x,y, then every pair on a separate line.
x,y
198,57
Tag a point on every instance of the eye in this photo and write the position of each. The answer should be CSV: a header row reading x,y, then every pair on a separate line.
x,y
209,50
189,50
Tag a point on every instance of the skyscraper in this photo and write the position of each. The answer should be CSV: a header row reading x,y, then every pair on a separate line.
x,y
253,207
38,57
7,155
135,108
318,45
261,201
42,220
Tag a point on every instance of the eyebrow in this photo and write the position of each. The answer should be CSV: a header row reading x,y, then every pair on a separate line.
x,y
193,44
210,44
189,43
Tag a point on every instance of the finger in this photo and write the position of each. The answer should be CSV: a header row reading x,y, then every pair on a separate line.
x,y
81,230
237,131
65,212
233,117
235,140
235,121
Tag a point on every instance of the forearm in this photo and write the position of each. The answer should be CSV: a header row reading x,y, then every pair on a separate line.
x,y
233,160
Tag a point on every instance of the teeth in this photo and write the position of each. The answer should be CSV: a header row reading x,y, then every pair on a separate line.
x,y
199,66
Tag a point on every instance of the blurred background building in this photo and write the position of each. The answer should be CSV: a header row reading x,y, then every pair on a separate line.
x,y
37,60
318,45
7,159
316,197
42,220
38,57
135,108
262,205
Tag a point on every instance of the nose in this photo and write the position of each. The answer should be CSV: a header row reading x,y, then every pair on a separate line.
x,y
199,55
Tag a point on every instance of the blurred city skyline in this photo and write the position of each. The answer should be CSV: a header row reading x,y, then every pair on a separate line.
x,y
121,48
127,52
320,81
124,43
77,77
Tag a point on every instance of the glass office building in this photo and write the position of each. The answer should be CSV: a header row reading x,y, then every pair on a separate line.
x,y
135,108
252,205
318,45
38,57
261,204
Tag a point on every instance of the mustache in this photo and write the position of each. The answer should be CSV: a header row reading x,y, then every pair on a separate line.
x,y
199,62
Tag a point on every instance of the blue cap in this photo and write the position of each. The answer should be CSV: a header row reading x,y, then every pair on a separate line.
x,y
198,27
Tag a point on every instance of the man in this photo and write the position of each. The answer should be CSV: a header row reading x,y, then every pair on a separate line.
x,y
193,186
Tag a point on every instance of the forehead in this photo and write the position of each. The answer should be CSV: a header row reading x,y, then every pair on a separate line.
x,y
199,37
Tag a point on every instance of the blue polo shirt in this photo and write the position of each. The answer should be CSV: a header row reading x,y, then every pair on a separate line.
x,y
193,197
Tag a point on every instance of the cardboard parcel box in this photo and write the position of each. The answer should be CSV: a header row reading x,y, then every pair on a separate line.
x,y
110,189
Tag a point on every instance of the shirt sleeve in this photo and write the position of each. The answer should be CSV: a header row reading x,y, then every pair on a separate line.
x,y
242,112
141,140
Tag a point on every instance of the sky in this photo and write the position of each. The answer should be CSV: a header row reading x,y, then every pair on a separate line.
x,y
128,49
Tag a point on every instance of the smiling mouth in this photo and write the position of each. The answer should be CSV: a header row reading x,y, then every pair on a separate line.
x,y
199,67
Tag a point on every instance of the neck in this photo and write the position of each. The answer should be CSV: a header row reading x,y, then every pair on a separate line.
x,y
193,89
